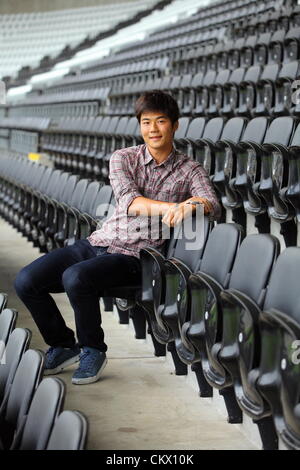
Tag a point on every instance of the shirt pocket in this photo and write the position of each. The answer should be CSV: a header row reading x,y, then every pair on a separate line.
x,y
174,190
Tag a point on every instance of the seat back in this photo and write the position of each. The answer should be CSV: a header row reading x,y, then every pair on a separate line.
x,y
15,407
253,265
195,129
191,238
8,319
256,130
217,260
89,198
17,344
3,301
69,432
102,202
283,292
78,193
46,405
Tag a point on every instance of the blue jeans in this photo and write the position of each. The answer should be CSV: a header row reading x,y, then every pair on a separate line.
x,y
83,272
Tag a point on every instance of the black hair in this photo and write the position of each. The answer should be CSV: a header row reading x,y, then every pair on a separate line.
x,y
157,100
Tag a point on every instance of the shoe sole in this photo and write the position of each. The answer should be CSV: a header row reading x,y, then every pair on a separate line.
x,y
89,380
61,366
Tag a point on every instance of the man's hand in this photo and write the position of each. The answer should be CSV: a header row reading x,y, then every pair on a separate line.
x,y
178,212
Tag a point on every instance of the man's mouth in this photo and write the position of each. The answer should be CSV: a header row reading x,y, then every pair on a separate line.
x,y
155,138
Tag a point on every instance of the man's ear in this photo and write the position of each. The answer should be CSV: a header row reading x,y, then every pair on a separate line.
x,y
175,126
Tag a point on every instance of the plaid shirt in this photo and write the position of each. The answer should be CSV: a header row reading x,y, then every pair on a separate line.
x,y
133,173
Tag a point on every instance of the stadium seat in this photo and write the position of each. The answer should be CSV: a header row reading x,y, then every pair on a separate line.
x,y
3,301
15,405
8,318
69,432
204,331
18,342
217,263
277,376
47,403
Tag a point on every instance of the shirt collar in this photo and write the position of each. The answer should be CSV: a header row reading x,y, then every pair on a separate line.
x,y
169,160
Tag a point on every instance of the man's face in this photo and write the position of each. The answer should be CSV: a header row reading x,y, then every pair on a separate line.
x,y
157,130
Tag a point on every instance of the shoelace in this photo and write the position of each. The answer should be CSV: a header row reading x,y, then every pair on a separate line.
x,y
50,354
87,360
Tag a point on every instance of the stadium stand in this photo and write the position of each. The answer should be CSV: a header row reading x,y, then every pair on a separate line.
x,y
25,396
38,36
232,315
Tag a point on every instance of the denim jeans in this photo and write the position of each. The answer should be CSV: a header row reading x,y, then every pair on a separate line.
x,y
83,272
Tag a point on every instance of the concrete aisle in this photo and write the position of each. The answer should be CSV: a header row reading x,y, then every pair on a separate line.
x,y
139,403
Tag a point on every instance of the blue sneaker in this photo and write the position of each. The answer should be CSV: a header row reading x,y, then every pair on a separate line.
x,y
58,358
92,363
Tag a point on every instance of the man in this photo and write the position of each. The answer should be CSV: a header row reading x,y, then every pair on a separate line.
x,y
150,179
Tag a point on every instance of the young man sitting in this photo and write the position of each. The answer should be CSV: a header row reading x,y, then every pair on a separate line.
x,y
153,178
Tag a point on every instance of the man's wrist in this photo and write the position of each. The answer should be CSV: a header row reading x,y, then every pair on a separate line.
x,y
195,203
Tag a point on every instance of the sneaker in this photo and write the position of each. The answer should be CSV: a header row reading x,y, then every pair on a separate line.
x,y
59,358
92,363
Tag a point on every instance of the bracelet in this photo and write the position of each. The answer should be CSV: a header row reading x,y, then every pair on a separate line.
x,y
195,203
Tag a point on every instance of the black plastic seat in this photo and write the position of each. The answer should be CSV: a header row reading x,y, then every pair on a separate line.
x,y
247,91
154,268
254,168
3,301
69,432
277,378
71,207
36,196
49,397
100,210
8,318
284,90
180,134
247,52
59,208
265,99
204,148
184,97
292,194
15,405
18,342
193,135
291,45
225,155
231,92
216,93
38,220
244,152
206,328
215,262
115,143
274,175
261,49
276,47
74,214
202,94
105,133
50,210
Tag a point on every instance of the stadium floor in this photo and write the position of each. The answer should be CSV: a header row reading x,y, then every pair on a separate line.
x,y
138,403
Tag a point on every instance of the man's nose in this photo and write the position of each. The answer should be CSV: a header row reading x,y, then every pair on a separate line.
x,y
153,127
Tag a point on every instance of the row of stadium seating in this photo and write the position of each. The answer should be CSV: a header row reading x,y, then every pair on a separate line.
x,y
47,34
230,314
24,394
205,20
236,154
220,310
